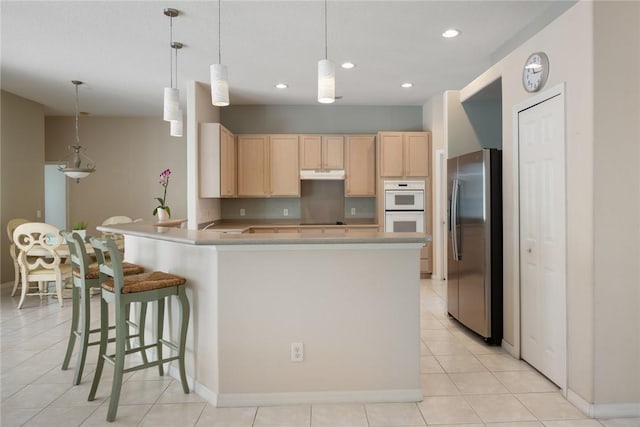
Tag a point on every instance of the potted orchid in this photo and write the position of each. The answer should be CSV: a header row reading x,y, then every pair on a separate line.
x,y
162,210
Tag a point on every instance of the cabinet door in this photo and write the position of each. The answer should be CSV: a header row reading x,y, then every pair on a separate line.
x,y
391,154
227,163
333,152
416,156
360,170
253,165
310,152
285,170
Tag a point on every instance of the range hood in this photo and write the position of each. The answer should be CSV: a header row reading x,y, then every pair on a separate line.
x,y
334,174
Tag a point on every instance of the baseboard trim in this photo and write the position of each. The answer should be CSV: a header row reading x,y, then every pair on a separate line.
x,y
509,349
604,410
222,400
293,398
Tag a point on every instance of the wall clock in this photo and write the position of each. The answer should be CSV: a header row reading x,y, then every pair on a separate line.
x,y
535,72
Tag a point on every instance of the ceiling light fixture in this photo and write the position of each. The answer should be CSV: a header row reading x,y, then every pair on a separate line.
x,y
406,85
219,79
326,71
175,128
72,165
451,33
348,65
171,94
282,86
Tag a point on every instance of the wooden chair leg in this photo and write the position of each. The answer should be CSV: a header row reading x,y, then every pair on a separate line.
x,y
184,324
59,290
85,308
23,294
104,336
141,325
16,280
160,329
121,338
75,308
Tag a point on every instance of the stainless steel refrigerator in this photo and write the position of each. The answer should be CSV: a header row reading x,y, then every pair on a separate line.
x,y
474,281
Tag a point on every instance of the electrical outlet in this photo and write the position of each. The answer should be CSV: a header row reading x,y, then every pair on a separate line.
x,y
297,352
242,212
285,212
38,213
353,211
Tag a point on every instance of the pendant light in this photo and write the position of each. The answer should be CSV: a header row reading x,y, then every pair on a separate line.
x,y
326,72
219,80
176,125
171,94
72,165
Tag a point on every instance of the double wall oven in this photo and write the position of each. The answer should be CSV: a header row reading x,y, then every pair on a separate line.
x,y
404,206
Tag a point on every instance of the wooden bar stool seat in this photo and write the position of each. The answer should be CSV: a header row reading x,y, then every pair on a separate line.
x,y
120,291
86,277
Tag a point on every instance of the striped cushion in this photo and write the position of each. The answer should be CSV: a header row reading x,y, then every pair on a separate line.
x,y
146,282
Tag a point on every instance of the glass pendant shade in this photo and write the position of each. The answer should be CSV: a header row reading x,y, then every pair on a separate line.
x,y
176,126
171,103
219,85
326,81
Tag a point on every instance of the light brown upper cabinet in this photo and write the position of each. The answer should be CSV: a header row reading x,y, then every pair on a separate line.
x,y
284,166
360,171
321,152
404,154
217,161
268,166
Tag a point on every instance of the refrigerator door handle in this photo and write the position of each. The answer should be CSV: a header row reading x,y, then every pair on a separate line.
x,y
454,219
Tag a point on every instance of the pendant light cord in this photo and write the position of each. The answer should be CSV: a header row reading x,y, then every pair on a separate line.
x,y
77,114
219,36
325,30
171,50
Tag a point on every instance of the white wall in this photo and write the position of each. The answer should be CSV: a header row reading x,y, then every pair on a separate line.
x,y
130,153
593,49
22,167
433,120
617,202
199,110
461,138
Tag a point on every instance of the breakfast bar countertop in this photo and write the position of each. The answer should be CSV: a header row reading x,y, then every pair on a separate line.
x,y
223,237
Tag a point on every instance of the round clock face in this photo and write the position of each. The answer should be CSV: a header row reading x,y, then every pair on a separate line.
x,y
535,72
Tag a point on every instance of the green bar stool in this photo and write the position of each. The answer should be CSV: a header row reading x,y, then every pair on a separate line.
x,y
85,278
120,291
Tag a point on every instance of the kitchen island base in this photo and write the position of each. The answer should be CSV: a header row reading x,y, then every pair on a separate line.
x,y
355,307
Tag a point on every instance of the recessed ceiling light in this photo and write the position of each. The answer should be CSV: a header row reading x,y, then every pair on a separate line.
x,y
282,86
348,65
450,33
406,85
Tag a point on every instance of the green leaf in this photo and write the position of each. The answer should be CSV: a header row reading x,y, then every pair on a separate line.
x,y
155,212
168,209
160,200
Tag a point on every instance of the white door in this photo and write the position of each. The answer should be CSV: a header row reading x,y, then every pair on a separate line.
x,y
542,237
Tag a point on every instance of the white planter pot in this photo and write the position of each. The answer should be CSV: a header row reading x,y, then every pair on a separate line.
x,y
81,233
163,215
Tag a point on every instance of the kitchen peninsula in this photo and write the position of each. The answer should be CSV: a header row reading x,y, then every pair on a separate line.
x,y
351,300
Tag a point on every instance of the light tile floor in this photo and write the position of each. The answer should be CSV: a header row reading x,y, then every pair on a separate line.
x,y
465,383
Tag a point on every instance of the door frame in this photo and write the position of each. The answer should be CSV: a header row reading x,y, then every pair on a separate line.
x,y
439,215
558,90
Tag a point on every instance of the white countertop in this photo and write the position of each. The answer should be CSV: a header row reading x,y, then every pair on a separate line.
x,y
214,237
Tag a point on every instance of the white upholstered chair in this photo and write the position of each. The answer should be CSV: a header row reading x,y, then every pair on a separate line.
x,y
38,260
13,251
